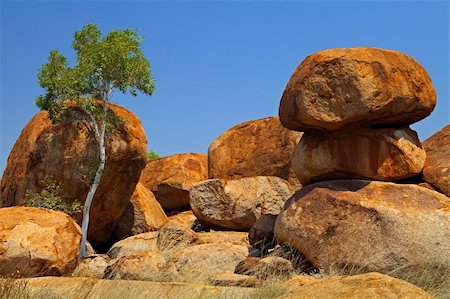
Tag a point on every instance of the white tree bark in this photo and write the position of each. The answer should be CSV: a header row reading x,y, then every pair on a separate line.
x,y
98,175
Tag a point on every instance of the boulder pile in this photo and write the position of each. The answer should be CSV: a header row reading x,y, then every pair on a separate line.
x,y
354,106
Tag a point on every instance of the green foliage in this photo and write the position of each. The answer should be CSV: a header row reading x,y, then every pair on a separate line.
x,y
103,64
52,197
152,155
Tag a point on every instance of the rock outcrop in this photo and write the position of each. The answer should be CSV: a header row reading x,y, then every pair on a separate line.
x,y
37,242
237,204
200,262
170,178
254,148
144,265
338,88
360,226
143,214
67,153
134,244
369,285
437,165
383,154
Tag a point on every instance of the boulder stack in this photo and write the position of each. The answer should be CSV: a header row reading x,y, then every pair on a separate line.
x,y
355,106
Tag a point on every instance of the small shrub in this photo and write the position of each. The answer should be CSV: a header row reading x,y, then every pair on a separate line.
x,y
52,197
152,155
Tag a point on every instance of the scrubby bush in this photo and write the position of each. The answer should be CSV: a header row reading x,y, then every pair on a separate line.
x,y
152,155
52,197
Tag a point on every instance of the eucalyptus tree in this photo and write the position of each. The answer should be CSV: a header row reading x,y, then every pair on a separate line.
x,y
104,64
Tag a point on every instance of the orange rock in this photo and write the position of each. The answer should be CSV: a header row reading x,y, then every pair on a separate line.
x,y
170,178
67,153
335,88
383,154
37,242
437,165
143,214
369,285
354,226
237,204
254,148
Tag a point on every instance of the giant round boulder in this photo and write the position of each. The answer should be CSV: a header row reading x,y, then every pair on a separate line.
x,y
348,226
382,154
68,153
260,147
170,178
437,165
37,242
237,204
336,88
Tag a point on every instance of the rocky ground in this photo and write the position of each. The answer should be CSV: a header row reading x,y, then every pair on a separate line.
x,y
337,198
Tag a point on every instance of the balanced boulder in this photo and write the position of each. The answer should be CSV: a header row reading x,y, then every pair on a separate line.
x,y
237,204
382,154
143,214
37,242
170,178
254,148
349,226
68,154
336,88
437,165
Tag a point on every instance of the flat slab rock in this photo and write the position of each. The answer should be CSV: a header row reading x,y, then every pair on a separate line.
x,y
369,285
382,154
344,226
337,88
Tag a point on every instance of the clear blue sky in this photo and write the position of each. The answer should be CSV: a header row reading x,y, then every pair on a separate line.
x,y
216,64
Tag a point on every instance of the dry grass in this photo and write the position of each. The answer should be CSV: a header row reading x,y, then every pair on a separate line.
x,y
13,288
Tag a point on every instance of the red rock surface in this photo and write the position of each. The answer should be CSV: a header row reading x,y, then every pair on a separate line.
x,y
37,242
335,88
437,165
254,148
143,214
383,154
348,226
170,178
67,153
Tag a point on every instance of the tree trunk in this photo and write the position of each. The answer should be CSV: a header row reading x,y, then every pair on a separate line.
x,y
94,186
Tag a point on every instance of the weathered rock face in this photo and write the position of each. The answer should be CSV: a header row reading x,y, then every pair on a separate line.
x,y
384,154
335,88
89,288
134,244
143,214
92,266
144,265
254,148
237,204
170,178
199,262
437,165
360,226
265,268
370,285
235,238
67,154
37,242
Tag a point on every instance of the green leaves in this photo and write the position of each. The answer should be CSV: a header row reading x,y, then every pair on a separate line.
x,y
103,65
